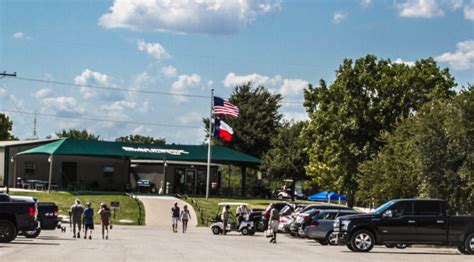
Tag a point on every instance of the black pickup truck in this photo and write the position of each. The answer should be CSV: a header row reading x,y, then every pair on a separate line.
x,y
406,221
16,214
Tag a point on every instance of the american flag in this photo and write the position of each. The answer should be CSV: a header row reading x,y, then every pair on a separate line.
x,y
224,107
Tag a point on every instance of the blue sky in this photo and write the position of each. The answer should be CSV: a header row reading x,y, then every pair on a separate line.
x,y
189,47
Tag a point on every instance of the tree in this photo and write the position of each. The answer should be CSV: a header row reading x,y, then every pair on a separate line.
x,y
78,134
348,117
6,128
257,122
287,159
430,154
141,139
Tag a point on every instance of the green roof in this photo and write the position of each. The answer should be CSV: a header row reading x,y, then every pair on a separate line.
x,y
69,146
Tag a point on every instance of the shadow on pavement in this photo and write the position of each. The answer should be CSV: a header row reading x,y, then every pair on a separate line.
x,y
34,243
409,253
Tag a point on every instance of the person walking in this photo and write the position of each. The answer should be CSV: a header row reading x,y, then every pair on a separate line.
x,y
273,224
185,217
225,218
105,220
88,220
175,213
76,218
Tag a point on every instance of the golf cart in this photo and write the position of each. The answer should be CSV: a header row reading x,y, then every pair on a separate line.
x,y
285,191
245,227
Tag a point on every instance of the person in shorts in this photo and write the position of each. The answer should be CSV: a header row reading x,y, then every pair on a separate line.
x,y
76,218
185,217
105,220
175,216
88,219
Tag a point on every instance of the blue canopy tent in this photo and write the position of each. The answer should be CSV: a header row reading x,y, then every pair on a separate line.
x,y
327,196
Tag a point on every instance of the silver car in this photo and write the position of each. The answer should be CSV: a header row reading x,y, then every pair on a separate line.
x,y
320,227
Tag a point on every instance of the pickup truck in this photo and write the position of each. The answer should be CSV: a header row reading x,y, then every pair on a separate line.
x,y
405,222
47,219
16,214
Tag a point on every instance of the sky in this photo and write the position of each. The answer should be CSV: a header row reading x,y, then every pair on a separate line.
x,y
165,56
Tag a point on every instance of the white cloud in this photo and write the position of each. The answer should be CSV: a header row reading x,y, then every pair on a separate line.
x,y
183,84
462,58
296,116
338,17
366,3
43,93
155,50
140,130
420,8
89,77
401,61
293,87
191,118
455,4
169,71
469,12
187,16
62,105
20,35
233,80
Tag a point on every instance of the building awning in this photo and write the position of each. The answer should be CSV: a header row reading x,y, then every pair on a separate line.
x,y
78,147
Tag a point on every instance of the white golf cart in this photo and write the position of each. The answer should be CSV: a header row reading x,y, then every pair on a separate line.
x,y
245,227
285,191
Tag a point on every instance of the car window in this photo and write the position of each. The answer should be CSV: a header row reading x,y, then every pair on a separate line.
x,y
402,209
427,208
341,214
330,216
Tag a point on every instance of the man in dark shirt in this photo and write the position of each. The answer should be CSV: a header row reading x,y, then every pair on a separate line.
x,y
175,212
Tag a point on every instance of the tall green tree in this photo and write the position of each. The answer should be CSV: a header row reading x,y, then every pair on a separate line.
x,y
430,154
141,139
257,122
348,116
78,134
6,126
287,158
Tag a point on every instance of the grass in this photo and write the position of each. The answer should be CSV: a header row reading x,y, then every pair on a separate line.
x,y
130,209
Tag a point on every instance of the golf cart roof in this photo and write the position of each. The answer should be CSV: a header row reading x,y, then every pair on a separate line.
x,y
232,204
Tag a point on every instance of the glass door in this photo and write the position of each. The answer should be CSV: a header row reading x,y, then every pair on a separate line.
x,y
201,182
190,181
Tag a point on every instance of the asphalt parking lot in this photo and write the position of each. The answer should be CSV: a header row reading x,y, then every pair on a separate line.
x,y
160,244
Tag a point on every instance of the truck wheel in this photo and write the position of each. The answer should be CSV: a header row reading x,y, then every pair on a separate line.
x,y
251,232
362,241
462,249
216,230
7,231
402,246
349,247
260,226
469,244
32,233
331,238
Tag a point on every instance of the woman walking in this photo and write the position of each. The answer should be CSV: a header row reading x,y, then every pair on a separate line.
x,y
185,217
105,219
273,224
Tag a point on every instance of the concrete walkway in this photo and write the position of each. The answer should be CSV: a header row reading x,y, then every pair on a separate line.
x,y
158,210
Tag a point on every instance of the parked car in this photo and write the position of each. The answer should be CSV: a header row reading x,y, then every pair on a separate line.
x,y
266,213
47,219
320,226
16,214
304,214
406,221
245,227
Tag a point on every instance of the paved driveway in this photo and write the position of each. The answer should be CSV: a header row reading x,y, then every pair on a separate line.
x,y
158,210
129,243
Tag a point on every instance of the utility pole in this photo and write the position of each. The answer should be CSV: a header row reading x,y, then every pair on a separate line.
x,y
35,134
4,74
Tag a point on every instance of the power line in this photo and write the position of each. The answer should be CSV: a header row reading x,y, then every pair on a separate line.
x,y
125,89
101,119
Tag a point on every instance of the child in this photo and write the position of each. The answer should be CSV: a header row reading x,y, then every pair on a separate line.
x,y
88,220
105,219
185,217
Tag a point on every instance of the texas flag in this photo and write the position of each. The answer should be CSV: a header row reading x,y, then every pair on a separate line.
x,y
223,130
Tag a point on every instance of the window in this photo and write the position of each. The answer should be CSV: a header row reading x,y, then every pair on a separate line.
x,y
330,216
427,208
108,171
30,168
402,209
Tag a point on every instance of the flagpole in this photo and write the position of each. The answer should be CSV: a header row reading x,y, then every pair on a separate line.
x,y
209,144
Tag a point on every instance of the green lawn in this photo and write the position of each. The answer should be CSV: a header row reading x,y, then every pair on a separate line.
x,y
129,208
